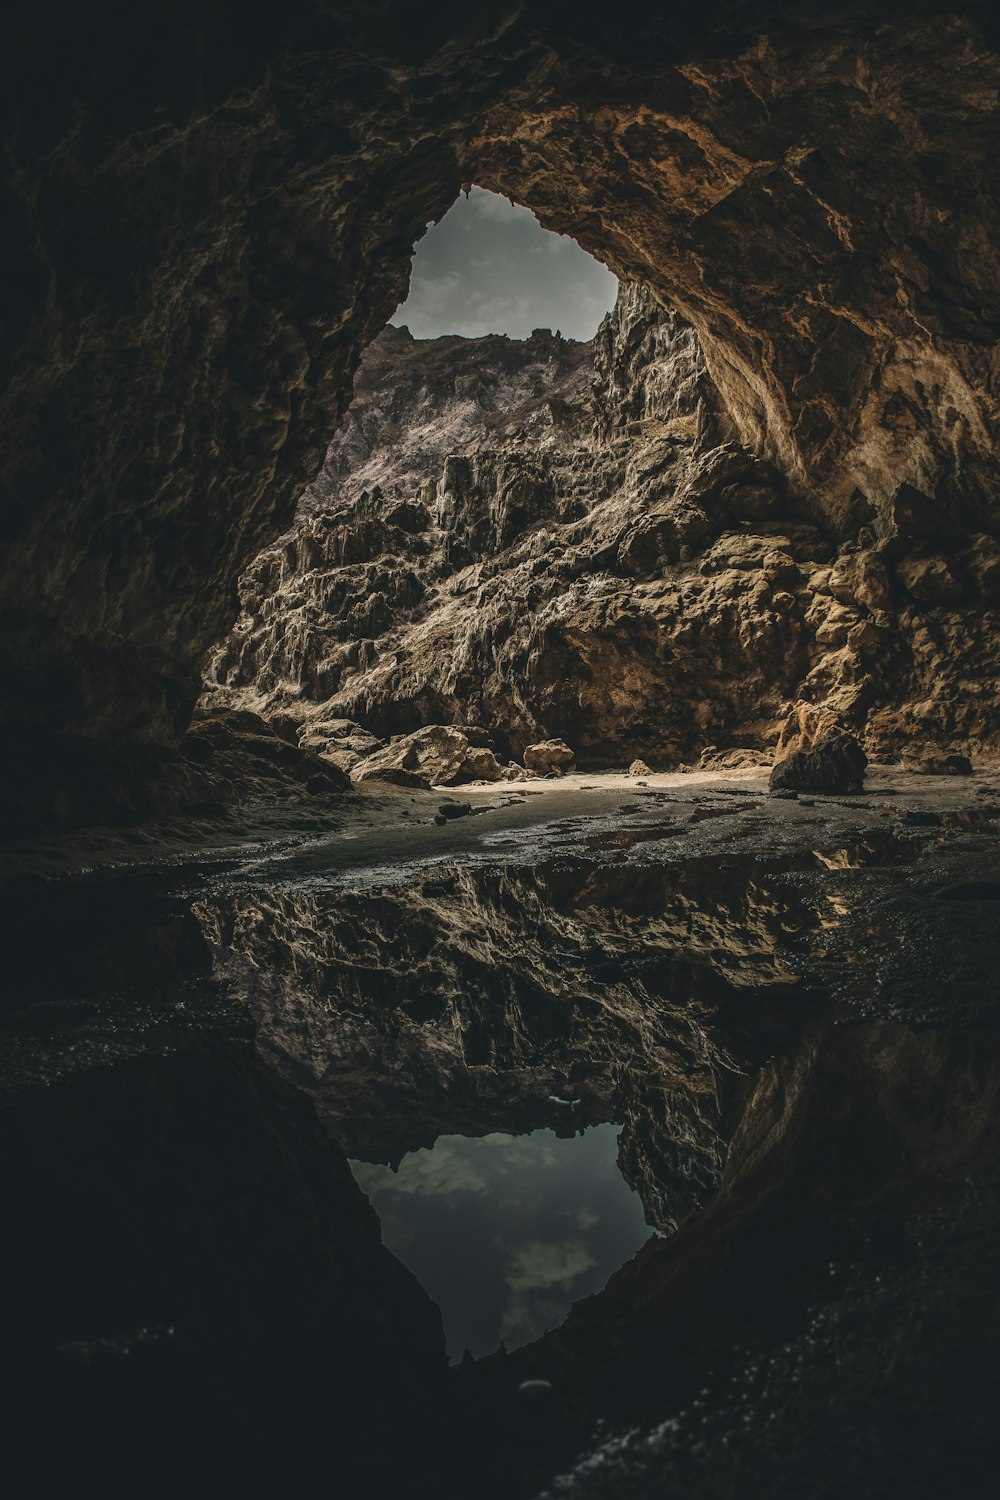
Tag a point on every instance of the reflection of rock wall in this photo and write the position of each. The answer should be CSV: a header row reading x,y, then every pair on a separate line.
x,y
845,1142
466,1003
602,566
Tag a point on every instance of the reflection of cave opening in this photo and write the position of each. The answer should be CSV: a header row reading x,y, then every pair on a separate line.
x,y
507,1232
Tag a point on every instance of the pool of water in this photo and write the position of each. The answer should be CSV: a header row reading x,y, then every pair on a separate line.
x,y
506,1232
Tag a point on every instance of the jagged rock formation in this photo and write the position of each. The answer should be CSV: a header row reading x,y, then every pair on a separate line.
x,y
835,274
211,217
603,565
417,403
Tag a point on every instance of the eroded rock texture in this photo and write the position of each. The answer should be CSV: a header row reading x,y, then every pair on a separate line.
x,y
211,216
811,197
482,1000
563,540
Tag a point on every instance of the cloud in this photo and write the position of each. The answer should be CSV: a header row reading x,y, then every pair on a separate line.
x,y
492,206
540,1277
546,1263
427,1173
526,1317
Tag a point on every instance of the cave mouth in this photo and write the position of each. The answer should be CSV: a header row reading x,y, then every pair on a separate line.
x,y
489,267
838,325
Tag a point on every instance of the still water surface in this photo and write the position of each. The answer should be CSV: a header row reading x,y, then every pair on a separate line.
x,y
506,1232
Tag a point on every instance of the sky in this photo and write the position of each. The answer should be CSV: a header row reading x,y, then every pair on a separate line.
x,y
506,1232
490,267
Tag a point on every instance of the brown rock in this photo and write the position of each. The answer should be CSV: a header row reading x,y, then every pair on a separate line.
x,y
860,578
804,726
834,764
557,584
981,558
437,753
480,765
932,578
938,765
549,755
393,775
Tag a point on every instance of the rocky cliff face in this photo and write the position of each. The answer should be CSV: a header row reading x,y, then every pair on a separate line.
x,y
565,540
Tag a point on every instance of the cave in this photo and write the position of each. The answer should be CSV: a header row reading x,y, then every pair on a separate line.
x,y
500,832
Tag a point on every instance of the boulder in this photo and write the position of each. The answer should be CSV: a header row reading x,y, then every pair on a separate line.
x,y
639,768
860,578
834,764
394,775
449,810
549,755
932,578
437,753
513,772
938,765
340,742
480,765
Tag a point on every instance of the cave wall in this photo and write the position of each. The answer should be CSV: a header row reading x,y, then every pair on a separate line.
x,y
210,214
819,202
573,545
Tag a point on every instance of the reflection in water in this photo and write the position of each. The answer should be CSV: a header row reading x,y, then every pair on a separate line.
x,y
473,1002
192,1255
506,1232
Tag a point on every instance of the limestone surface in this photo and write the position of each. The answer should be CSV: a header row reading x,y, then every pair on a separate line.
x,y
597,560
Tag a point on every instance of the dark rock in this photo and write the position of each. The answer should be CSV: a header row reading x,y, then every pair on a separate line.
x,y
394,776
227,1286
835,764
455,810
938,765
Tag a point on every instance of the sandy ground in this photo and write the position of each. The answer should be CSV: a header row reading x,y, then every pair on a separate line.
x,y
665,818
387,829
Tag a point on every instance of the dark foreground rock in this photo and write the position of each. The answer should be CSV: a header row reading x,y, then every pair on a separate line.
x,y
202,1296
835,764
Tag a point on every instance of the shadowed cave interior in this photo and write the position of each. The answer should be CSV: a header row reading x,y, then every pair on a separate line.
x,y
500,837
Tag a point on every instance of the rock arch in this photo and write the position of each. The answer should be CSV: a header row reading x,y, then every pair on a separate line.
x,y
212,215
